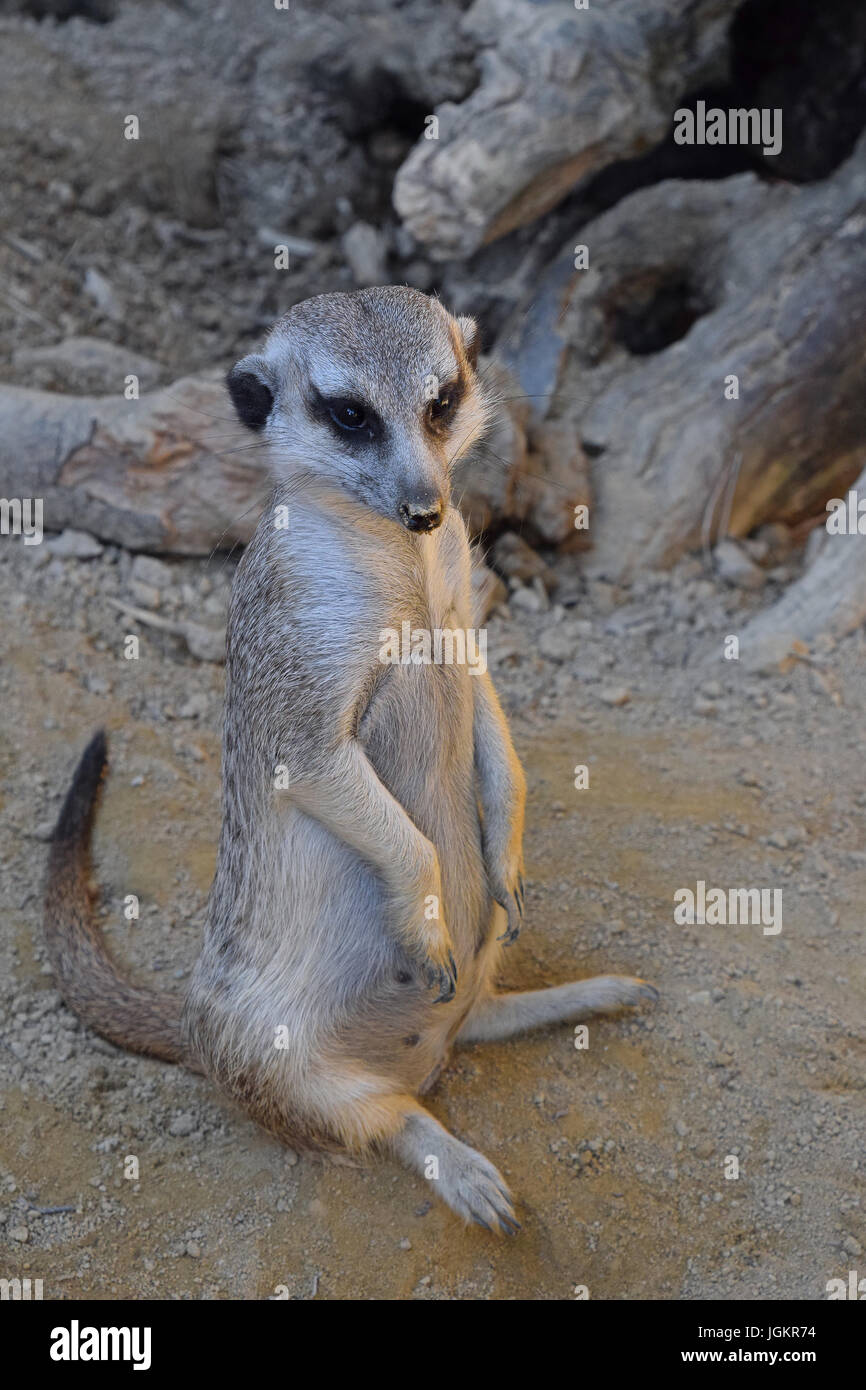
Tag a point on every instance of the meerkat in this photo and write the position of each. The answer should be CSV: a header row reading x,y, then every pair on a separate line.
x,y
369,868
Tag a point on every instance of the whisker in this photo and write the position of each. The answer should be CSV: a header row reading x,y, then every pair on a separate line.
x,y
258,501
196,410
539,477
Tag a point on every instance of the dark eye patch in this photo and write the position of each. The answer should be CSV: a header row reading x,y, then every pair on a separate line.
x,y
345,415
349,415
441,410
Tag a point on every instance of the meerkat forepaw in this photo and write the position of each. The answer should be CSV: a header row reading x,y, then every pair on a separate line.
x,y
509,892
441,976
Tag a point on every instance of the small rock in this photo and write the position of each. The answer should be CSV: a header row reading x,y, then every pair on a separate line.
x,y
196,705
205,643
74,545
558,643
145,594
514,558
19,1233
614,695
145,569
102,293
734,566
182,1125
526,600
366,251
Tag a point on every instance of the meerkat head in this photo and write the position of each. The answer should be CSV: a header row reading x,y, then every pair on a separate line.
x,y
375,393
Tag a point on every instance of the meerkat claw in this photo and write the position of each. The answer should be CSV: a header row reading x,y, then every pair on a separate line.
x,y
443,976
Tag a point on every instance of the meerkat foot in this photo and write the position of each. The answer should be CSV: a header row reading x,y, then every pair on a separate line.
x,y
504,1015
462,1177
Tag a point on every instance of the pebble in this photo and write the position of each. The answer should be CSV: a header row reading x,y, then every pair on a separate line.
x,y
614,695
145,569
194,707
557,643
74,545
101,291
526,600
146,595
366,252
735,567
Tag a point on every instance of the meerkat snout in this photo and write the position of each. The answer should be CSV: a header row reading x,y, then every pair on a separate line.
x,y
375,393
422,514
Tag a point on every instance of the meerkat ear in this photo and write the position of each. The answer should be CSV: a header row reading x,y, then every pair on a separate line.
x,y
251,390
471,338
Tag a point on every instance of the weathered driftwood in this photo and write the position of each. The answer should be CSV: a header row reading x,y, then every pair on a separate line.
x,y
171,472
563,92
689,286
829,599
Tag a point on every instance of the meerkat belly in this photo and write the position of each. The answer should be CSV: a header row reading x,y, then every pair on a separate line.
x,y
417,733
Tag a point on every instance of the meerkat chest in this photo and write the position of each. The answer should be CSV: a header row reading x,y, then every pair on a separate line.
x,y
438,590
430,616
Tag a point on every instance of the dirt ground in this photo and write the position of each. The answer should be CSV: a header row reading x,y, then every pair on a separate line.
x,y
617,1152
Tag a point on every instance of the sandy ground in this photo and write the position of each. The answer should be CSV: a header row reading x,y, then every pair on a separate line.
x,y
616,1152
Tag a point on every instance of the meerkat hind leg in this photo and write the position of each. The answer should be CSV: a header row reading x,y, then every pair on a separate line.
x,y
461,1176
503,1015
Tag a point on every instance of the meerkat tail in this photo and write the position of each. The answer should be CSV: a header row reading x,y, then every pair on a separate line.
x,y
90,982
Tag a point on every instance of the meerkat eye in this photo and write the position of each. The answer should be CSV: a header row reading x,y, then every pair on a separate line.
x,y
441,409
349,415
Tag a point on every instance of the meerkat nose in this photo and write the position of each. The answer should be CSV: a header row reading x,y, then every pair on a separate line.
x,y
422,516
